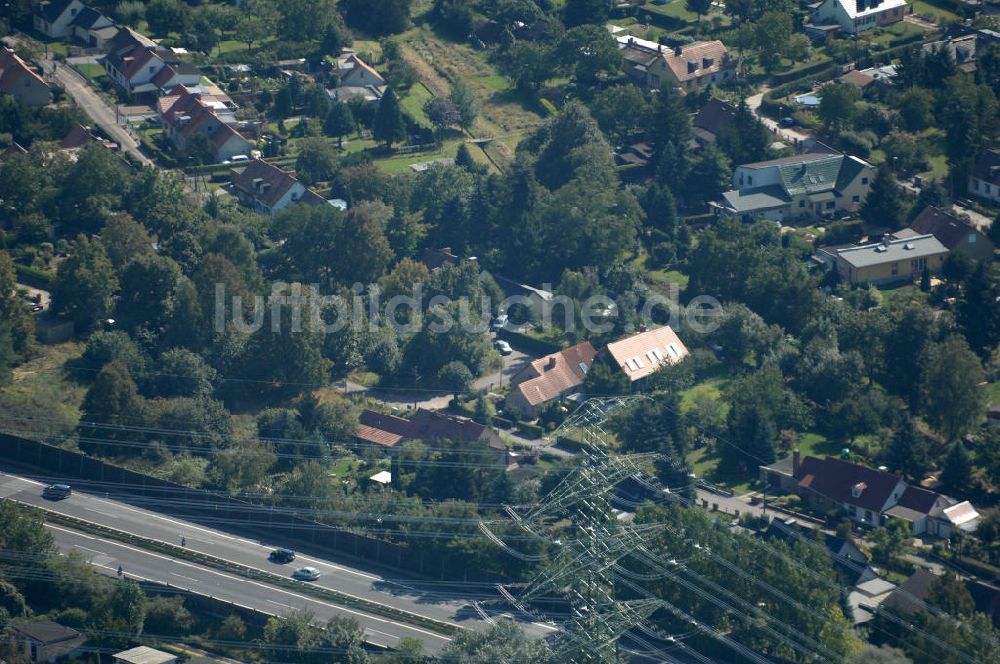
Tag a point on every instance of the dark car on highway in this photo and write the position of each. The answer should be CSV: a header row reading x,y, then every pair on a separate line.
x,y
282,555
57,491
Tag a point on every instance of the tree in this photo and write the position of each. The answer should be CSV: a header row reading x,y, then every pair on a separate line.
x,y
466,102
710,176
317,160
8,359
838,105
773,30
528,65
744,140
978,314
994,231
590,50
148,293
378,17
339,122
84,285
907,452
751,437
885,204
182,373
952,399
890,541
880,655
949,594
956,474
306,20
112,401
622,111
258,21
503,641
579,12
916,108
698,7
442,113
455,377
456,16
20,324
164,16
797,48
389,125
125,239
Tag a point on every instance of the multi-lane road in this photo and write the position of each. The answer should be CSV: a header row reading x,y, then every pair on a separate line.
x,y
445,603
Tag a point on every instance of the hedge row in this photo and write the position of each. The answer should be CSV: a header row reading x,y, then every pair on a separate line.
x,y
528,343
531,431
797,74
34,277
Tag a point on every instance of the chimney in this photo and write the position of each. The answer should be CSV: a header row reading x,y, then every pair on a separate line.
x,y
678,50
550,363
796,462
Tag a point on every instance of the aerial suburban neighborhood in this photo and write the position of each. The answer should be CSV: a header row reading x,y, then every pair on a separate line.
x,y
550,331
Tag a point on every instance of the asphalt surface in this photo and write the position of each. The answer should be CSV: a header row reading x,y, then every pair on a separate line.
x,y
444,602
142,565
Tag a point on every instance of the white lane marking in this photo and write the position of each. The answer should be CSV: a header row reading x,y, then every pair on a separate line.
x,y
186,578
262,585
289,606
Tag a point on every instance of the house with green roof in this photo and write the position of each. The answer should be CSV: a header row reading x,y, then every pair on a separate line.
x,y
803,187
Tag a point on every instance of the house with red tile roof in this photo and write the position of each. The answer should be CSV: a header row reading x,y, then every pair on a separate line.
x,y
80,137
957,235
356,73
642,354
268,190
430,427
548,378
141,66
20,81
869,496
189,116
690,67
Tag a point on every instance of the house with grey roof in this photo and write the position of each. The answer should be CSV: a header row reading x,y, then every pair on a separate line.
x,y
805,186
893,260
53,17
45,641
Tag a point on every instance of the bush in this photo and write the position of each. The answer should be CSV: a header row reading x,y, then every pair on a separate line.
x,y
858,143
531,431
503,422
34,277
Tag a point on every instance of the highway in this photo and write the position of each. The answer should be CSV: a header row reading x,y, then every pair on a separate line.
x,y
142,565
448,603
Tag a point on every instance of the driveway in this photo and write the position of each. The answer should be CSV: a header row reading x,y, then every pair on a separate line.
x,y
793,137
97,109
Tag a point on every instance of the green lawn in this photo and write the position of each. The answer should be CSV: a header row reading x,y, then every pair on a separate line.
x,y
42,389
711,387
413,103
924,8
402,163
817,445
58,48
91,72
993,394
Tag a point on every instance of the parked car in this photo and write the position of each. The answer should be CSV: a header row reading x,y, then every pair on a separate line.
x,y
306,574
282,556
57,491
503,347
500,322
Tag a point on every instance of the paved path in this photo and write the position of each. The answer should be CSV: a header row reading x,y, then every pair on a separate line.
x,y
793,137
97,109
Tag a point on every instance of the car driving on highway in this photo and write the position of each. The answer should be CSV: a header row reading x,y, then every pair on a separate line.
x,y
57,491
306,574
282,556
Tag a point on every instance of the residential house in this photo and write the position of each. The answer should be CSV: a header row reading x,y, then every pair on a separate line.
x,y
864,493
20,81
642,354
637,154
53,18
136,64
957,235
854,16
144,655
189,116
890,261
911,597
92,28
220,103
711,119
985,179
46,641
538,300
435,259
961,50
548,378
79,137
931,513
690,67
805,186
429,427
357,79
268,190
863,78
869,496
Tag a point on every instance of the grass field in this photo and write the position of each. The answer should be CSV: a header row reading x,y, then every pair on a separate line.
x,y
413,103
924,8
42,389
91,72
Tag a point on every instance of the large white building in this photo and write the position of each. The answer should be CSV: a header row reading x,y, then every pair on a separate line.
x,y
855,16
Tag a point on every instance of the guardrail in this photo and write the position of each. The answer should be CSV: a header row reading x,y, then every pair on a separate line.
x,y
221,564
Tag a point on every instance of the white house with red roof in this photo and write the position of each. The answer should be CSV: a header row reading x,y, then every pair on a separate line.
x,y
188,116
554,376
268,190
641,355
20,81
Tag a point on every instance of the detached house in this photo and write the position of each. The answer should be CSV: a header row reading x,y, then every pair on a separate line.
x,y
188,116
93,28
985,179
805,186
957,235
20,81
139,65
429,427
46,641
53,18
890,261
855,16
715,116
641,355
554,376
869,496
357,79
268,189
690,67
